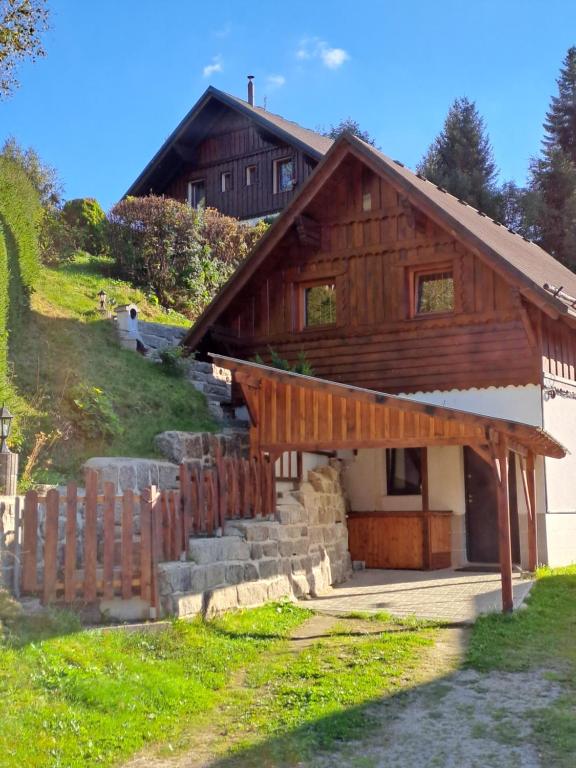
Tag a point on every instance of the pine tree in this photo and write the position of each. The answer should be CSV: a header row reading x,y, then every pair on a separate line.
x,y
461,160
553,175
349,125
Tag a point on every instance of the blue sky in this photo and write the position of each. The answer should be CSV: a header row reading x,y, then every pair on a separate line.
x,y
120,74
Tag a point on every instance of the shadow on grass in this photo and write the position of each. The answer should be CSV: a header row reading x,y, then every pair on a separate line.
x,y
19,629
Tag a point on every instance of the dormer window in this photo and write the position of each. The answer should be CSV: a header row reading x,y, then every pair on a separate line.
x,y
226,181
197,193
284,175
251,175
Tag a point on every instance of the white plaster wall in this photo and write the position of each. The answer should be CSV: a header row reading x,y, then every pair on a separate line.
x,y
515,403
560,522
447,492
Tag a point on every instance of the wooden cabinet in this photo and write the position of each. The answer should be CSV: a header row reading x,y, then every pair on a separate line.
x,y
408,540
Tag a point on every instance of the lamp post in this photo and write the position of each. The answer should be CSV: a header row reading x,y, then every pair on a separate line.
x,y
8,460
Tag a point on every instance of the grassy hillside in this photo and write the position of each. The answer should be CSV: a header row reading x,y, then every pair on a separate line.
x,y
63,344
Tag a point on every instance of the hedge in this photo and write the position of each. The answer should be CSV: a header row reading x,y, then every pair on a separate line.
x,y
20,213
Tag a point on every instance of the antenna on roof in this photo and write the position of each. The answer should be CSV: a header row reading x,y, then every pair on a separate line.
x,y
251,90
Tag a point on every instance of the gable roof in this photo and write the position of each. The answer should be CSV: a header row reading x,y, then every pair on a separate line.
x,y
309,141
518,260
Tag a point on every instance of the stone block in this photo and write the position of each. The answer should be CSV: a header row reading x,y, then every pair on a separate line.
x,y
252,593
233,548
235,573
188,605
293,547
218,600
215,575
250,572
134,609
256,551
256,531
270,548
127,477
268,568
279,588
174,577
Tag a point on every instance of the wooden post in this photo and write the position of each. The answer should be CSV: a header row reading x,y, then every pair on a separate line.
x,y
529,480
90,536
70,550
426,514
51,546
504,542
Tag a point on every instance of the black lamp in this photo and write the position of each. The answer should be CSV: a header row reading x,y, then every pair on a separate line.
x,y
5,427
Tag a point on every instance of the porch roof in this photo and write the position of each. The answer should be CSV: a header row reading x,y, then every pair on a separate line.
x,y
290,411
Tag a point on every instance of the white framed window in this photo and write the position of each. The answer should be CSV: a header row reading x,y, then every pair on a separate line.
x,y
284,174
251,175
197,193
226,181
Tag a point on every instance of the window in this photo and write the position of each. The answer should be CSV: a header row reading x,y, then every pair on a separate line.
x,y
433,291
251,175
197,193
226,181
284,175
319,305
367,201
403,471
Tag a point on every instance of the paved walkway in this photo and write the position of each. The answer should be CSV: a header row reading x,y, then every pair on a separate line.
x,y
458,597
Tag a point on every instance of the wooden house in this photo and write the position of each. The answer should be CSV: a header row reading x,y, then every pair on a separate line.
x,y
443,348
232,155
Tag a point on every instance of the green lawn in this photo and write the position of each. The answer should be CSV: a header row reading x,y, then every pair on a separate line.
x,y
235,686
540,637
62,342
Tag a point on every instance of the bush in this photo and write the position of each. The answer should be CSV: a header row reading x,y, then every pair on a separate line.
x,y
57,241
92,413
171,361
183,255
87,220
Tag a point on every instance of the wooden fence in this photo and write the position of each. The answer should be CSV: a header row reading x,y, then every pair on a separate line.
x,y
100,546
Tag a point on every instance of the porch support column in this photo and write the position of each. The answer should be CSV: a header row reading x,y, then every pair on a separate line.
x,y
427,516
504,541
529,484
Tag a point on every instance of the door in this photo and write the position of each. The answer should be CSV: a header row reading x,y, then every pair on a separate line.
x,y
482,510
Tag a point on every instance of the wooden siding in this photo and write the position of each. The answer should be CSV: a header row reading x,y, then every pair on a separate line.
x,y
375,343
558,349
232,147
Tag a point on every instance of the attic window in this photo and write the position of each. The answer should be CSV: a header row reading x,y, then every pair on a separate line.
x,y
319,305
432,291
251,175
197,193
283,175
226,181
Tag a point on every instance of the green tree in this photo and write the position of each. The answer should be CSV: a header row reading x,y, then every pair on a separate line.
x,y
22,23
461,161
553,174
349,125
44,177
85,217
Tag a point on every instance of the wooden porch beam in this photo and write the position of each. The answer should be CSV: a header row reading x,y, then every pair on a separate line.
x,y
504,538
529,486
427,515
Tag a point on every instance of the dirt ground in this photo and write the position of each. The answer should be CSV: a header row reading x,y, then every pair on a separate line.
x,y
449,718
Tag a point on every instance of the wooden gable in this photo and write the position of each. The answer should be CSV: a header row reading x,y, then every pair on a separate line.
x,y
361,234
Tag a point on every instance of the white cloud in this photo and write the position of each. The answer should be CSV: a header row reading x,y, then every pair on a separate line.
x,y
315,48
223,31
215,66
275,81
333,58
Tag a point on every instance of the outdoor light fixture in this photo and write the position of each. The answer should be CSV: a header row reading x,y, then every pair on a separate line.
x,y
102,296
8,460
5,427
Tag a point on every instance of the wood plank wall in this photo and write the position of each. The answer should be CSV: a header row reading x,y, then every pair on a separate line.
x,y
375,343
558,349
237,144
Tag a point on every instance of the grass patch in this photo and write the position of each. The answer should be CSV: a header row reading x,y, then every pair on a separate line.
x,y
80,698
62,343
540,637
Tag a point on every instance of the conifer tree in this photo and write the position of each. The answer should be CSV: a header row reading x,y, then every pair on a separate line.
x,y
553,174
461,160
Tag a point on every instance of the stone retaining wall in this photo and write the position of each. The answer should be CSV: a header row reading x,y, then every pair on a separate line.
x,y
302,552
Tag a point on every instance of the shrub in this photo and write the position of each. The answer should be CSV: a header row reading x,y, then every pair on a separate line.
x,y
87,220
57,240
92,413
183,255
302,365
171,361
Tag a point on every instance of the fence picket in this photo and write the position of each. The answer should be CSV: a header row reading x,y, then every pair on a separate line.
x,y
30,543
156,535
70,544
51,545
127,543
146,543
90,537
109,531
178,544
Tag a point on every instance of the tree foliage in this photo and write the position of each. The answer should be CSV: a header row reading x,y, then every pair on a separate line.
x,y
182,255
22,23
44,177
85,217
553,174
349,125
460,159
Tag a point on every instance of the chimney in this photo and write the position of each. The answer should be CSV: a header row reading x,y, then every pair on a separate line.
x,y
251,90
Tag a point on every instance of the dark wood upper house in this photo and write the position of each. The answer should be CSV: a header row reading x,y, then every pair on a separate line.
x,y
234,156
388,284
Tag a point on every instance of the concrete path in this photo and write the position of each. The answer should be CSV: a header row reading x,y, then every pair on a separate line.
x,y
458,597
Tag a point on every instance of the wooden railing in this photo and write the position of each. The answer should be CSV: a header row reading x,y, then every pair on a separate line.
x,y
100,546
289,466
